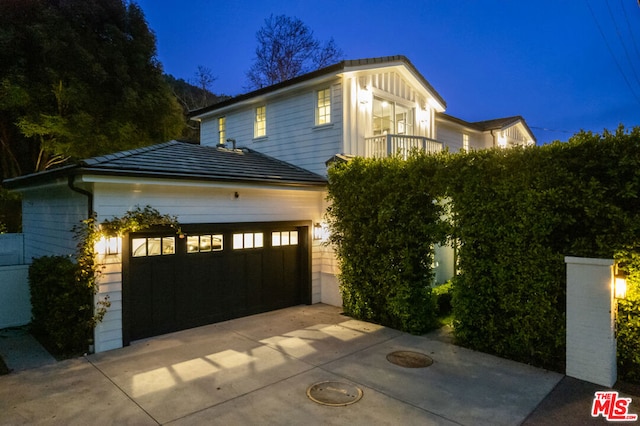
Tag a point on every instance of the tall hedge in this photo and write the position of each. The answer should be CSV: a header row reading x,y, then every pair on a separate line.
x,y
517,214
384,224
514,215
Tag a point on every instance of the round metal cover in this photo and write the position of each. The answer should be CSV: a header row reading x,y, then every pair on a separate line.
x,y
335,394
409,359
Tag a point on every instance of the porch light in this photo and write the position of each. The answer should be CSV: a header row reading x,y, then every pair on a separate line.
x,y
620,285
320,231
364,95
108,246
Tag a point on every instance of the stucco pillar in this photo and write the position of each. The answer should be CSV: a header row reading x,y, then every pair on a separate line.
x,y
591,342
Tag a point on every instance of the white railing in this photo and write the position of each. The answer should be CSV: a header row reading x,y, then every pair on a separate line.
x,y
387,145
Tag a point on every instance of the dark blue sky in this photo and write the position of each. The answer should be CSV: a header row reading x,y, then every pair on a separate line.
x,y
546,60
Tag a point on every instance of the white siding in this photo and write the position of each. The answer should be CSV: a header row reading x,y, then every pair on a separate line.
x,y
200,204
291,132
48,217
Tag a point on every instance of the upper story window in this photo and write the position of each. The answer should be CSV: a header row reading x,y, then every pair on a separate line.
x,y
465,142
323,107
222,130
260,122
392,118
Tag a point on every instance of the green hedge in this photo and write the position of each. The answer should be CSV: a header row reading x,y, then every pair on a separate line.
x,y
61,307
515,214
384,225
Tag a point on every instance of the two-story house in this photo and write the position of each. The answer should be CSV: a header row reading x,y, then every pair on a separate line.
x,y
250,198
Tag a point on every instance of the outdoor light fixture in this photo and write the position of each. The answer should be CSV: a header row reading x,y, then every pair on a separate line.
x,y
317,231
620,285
108,245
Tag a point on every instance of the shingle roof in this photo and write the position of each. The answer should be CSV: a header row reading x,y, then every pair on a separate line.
x,y
486,125
332,69
179,160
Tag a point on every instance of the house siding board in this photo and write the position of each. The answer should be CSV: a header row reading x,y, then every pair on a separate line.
x,y
48,218
291,132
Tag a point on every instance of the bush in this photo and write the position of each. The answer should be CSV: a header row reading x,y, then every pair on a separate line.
x,y
62,307
443,295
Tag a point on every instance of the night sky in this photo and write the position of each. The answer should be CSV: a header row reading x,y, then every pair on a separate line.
x,y
564,65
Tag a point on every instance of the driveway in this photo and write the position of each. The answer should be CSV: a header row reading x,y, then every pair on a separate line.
x,y
257,370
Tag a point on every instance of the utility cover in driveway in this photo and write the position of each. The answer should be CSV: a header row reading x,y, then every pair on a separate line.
x,y
409,359
214,273
336,394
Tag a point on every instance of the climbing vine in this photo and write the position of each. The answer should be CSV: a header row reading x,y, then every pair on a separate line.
x,y
89,232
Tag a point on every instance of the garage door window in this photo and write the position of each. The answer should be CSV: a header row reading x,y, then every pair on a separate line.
x,y
204,243
284,238
153,246
248,240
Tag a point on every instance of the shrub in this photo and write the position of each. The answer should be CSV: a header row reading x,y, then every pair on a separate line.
x,y
62,308
443,295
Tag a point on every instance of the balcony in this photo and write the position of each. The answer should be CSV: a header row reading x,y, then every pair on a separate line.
x,y
388,145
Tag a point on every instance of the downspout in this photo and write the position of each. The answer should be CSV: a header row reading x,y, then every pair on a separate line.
x,y
83,192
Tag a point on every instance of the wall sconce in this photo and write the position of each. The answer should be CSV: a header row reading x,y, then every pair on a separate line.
x,y
320,231
108,246
364,96
620,285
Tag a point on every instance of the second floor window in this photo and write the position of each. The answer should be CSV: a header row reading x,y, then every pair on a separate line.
x,y
260,123
222,130
465,142
323,107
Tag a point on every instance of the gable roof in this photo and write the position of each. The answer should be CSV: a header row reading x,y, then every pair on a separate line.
x,y
180,160
488,125
331,69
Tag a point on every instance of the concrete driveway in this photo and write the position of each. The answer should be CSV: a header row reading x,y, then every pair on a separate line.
x,y
257,370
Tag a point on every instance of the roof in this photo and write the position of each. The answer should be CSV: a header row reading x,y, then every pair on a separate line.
x,y
331,69
180,160
487,125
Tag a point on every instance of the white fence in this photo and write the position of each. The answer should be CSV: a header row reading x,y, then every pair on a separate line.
x,y
15,306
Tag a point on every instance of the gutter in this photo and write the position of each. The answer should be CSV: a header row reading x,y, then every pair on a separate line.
x,y
89,195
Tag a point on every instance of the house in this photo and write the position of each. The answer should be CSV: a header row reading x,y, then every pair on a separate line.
x,y
250,198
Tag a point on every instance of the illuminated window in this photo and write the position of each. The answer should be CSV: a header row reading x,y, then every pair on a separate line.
x,y
153,246
222,130
260,124
323,107
204,243
248,240
465,142
284,238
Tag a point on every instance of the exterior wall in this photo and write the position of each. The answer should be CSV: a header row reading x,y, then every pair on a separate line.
x,y
591,343
11,249
48,217
291,134
198,204
451,136
15,302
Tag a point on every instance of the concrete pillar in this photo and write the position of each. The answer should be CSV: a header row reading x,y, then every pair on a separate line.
x,y
591,342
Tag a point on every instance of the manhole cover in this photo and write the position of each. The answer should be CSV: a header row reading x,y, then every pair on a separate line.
x,y
334,393
409,359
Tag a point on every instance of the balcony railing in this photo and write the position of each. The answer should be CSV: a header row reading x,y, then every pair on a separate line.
x,y
388,145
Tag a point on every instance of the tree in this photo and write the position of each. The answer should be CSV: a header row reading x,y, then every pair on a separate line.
x,y
78,78
286,49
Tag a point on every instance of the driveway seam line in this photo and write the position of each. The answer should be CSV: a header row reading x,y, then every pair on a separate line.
x,y
123,391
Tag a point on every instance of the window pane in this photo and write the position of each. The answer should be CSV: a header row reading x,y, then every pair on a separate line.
x,y
293,238
216,242
153,246
323,107
248,240
205,242
222,130
275,239
192,244
168,245
260,125
139,247
258,240
285,238
238,240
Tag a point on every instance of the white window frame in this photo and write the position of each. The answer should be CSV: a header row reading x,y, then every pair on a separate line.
x,y
465,142
260,122
323,111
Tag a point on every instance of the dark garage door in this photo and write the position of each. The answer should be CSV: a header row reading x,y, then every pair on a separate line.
x,y
214,273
